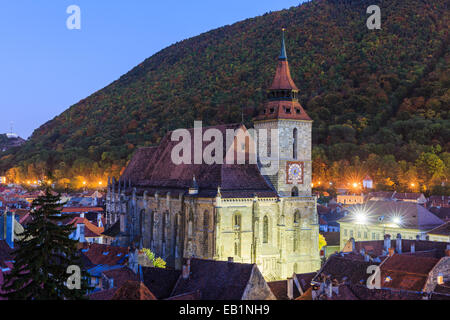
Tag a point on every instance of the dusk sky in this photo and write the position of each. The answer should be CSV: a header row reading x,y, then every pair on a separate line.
x,y
45,68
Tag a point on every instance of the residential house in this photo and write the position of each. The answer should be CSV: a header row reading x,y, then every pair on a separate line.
x,y
374,219
439,201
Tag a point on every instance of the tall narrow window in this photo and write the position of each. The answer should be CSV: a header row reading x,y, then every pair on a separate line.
x,y
297,217
205,233
265,229
164,219
237,221
152,224
295,144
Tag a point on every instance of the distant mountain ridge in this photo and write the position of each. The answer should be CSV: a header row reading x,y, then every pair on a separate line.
x,y
8,141
383,92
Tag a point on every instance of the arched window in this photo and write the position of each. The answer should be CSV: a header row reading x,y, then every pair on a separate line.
x,y
237,221
190,223
295,144
265,229
294,192
297,217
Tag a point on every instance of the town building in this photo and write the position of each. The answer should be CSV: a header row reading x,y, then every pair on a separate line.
x,y
227,210
375,219
350,199
439,201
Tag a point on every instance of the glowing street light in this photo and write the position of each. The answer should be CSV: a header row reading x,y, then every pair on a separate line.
x,y
355,185
413,184
100,183
397,220
361,218
84,183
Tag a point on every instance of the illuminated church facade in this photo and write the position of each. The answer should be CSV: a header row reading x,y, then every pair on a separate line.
x,y
220,211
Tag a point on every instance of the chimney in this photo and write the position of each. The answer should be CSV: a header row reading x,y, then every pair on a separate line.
x,y
230,259
387,242
290,288
398,243
186,269
413,247
9,235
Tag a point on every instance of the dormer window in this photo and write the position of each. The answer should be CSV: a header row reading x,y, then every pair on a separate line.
x,y
297,111
272,110
287,110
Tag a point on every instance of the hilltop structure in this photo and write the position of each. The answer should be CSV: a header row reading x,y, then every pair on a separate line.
x,y
220,211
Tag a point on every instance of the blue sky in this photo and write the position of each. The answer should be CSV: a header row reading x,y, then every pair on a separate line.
x,y
45,68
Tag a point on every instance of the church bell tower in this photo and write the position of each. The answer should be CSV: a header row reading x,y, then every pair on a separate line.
x,y
284,115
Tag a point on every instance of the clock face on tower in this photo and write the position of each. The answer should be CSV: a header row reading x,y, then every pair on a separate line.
x,y
294,172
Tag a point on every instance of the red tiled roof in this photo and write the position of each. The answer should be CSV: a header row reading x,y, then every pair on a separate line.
x,y
91,230
121,276
160,281
375,247
103,254
406,272
304,280
283,79
161,173
216,280
344,268
279,289
133,290
81,209
441,230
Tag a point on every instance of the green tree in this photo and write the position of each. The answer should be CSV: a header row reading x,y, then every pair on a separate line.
x,y
43,256
157,262
431,165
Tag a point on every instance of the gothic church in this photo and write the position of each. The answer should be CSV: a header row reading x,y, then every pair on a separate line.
x,y
220,211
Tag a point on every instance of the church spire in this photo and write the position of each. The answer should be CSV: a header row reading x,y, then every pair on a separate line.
x,y
283,79
283,55
282,95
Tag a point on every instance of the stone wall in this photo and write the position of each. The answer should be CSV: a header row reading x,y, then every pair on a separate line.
x,y
443,267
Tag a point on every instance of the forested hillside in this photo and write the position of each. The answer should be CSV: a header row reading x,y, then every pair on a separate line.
x,y
380,99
